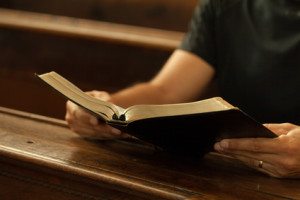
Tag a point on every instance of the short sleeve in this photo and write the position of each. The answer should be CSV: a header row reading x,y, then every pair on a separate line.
x,y
200,38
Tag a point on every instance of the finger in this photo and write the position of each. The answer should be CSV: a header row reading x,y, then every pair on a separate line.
x,y
262,145
264,167
108,129
278,170
295,133
276,165
95,132
281,129
274,159
84,116
125,135
75,113
99,128
104,96
94,126
111,133
69,117
69,107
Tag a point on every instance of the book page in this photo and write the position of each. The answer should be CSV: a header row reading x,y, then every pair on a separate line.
x,y
102,109
150,111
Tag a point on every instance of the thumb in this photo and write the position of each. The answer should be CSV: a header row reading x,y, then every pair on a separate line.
x,y
280,129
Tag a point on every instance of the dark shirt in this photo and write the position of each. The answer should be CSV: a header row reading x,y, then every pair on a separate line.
x,y
254,46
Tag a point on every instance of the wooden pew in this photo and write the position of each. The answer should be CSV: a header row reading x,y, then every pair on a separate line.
x,y
162,14
40,158
92,54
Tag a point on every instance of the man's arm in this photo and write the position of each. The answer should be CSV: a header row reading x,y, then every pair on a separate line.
x,y
183,78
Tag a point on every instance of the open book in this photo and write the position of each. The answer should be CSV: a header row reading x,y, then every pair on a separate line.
x,y
185,128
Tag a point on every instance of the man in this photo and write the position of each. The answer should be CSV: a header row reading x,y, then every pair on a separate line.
x,y
252,49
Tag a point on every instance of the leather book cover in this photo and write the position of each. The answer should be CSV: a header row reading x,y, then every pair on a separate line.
x,y
195,134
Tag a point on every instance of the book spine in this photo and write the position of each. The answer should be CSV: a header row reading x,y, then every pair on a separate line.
x,y
121,117
115,116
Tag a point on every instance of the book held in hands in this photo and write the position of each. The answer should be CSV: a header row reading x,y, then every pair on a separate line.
x,y
184,128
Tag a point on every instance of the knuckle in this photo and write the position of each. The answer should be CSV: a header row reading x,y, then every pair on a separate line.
x,y
69,119
288,126
93,93
289,165
285,124
284,140
68,104
288,146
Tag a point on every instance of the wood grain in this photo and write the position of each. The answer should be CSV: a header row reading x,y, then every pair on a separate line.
x,y
89,29
41,155
161,14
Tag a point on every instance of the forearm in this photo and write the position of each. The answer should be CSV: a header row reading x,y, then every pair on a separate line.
x,y
183,78
142,93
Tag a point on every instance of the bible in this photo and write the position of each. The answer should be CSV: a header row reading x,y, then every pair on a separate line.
x,y
183,128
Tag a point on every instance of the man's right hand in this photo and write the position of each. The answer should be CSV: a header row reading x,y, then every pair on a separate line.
x,y
87,125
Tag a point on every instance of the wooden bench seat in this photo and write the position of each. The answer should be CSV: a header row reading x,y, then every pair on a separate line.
x,y
92,54
88,29
161,14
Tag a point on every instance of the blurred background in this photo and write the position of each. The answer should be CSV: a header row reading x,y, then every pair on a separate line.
x,y
96,44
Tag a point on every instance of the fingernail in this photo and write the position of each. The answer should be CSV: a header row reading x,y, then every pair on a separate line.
x,y
224,144
116,131
217,146
94,121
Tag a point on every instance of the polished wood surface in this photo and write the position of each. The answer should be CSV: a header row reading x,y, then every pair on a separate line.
x,y
89,29
162,14
40,158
